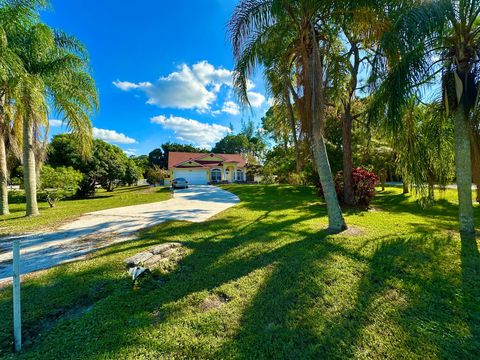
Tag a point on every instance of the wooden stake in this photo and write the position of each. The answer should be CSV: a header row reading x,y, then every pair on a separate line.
x,y
17,316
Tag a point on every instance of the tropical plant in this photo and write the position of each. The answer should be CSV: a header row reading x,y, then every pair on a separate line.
x,y
437,42
56,73
15,16
364,183
299,32
424,148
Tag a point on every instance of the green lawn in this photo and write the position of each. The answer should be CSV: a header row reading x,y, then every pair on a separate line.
x,y
399,284
68,209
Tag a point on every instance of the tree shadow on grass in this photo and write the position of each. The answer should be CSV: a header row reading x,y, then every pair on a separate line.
x,y
323,296
397,301
196,274
470,260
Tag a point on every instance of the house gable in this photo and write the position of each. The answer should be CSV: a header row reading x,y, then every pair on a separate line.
x,y
188,164
210,158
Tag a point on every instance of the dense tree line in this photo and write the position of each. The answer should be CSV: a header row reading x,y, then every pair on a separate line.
x,y
107,166
363,68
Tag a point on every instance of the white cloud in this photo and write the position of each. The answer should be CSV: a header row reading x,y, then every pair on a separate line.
x,y
231,108
207,74
256,99
192,131
55,123
112,136
130,152
125,85
193,87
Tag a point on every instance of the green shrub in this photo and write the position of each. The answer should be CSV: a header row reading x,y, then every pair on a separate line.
x,y
59,183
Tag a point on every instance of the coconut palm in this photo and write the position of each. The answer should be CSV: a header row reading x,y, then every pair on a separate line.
x,y
438,42
56,75
306,37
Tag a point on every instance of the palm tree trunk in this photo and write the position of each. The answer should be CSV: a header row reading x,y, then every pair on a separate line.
x,y
314,94
463,167
3,178
29,172
348,197
335,218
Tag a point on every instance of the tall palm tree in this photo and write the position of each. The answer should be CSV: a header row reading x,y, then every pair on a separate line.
x,y
56,74
307,36
14,17
439,42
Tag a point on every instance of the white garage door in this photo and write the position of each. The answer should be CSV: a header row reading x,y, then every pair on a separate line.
x,y
194,177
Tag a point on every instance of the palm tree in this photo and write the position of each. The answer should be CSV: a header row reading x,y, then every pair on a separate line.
x,y
424,148
438,42
14,16
57,74
307,36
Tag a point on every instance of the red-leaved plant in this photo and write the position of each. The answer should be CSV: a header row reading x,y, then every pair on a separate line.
x,y
364,183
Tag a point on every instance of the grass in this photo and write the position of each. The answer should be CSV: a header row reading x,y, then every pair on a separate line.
x,y
263,280
64,210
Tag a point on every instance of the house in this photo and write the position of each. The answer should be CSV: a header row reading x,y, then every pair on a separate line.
x,y
203,168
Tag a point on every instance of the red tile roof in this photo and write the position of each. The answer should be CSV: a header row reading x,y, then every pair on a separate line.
x,y
175,158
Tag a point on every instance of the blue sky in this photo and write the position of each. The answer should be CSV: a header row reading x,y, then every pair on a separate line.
x,y
162,69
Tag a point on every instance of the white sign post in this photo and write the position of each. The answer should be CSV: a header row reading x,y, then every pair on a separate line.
x,y
17,316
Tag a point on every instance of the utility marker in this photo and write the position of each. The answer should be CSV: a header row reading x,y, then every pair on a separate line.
x,y
17,315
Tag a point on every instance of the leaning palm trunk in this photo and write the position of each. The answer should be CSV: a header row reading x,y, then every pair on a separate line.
x,y
335,218
315,102
29,172
463,167
3,178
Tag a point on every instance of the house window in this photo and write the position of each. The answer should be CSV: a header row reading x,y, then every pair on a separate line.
x,y
240,175
216,174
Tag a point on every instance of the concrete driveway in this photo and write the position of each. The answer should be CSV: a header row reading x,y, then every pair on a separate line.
x,y
95,230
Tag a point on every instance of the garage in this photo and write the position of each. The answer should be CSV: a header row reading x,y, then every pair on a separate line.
x,y
194,177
